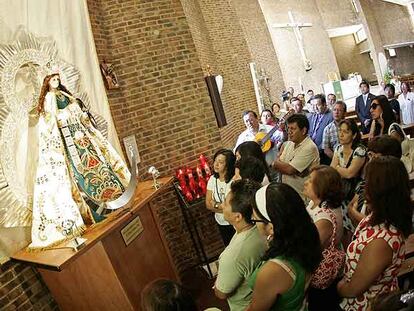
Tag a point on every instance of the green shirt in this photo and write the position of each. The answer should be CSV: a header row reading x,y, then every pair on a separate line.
x,y
236,264
293,299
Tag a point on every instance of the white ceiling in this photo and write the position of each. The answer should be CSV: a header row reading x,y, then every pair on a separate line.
x,y
401,2
343,31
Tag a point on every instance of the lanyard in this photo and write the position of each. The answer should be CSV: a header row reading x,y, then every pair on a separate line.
x,y
222,192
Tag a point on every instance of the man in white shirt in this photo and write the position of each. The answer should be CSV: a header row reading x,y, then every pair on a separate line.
x,y
298,155
406,100
252,128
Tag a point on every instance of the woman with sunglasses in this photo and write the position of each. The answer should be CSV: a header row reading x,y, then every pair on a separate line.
x,y
281,280
383,145
382,116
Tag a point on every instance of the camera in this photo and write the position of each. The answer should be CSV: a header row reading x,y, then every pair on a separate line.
x,y
285,95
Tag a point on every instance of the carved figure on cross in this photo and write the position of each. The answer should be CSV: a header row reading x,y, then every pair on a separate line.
x,y
296,29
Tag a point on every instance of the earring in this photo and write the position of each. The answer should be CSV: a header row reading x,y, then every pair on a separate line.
x,y
269,237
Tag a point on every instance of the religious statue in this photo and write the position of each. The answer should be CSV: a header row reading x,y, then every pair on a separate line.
x,y
77,168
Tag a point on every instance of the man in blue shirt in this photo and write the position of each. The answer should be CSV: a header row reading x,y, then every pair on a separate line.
x,y
317,123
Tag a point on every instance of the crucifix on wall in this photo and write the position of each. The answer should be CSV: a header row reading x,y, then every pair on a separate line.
x,y
296,29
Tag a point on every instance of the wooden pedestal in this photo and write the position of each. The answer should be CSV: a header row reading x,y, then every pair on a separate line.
x,y
107,274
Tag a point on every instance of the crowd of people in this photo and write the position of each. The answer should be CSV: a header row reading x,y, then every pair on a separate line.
x,y
319,221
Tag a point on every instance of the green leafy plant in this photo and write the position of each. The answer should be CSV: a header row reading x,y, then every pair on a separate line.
x,y
387,76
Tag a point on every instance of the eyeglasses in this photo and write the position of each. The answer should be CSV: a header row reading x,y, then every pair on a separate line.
x,y
374,106
254,221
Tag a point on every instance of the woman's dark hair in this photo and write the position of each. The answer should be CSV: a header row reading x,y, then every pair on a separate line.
x,y
386,145
351,124
166,295
252,149
242,198
387,191
328,185
230,162
251,168
387,114
295,234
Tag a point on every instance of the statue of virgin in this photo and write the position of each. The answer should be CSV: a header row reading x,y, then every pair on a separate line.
x,y
77,168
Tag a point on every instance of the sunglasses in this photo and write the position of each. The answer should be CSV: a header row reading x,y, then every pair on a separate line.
x,y
374,106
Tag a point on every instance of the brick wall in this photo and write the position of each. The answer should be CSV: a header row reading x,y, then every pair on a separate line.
x,y
162,100
218,36
259,42
160,50
21,288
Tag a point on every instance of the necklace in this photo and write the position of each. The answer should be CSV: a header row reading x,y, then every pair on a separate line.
x,y
221,194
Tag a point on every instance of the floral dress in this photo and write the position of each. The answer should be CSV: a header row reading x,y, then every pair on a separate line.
x,y
359,152
387,281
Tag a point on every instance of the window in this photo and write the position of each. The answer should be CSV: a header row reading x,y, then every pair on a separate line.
x,y
360,35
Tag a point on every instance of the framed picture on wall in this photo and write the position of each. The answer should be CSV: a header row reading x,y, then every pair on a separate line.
x,y
109,75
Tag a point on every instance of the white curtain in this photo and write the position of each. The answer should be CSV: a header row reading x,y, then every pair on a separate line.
x,y
66,22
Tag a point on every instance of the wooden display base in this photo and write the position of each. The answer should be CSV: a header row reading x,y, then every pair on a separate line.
x,y
120,256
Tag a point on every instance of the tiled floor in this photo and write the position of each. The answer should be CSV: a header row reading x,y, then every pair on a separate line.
x,y
197,281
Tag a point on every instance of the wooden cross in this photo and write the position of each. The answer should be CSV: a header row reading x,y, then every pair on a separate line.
x,y
296,29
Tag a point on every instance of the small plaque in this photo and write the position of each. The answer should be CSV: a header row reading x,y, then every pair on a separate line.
x,y
132,230
130,142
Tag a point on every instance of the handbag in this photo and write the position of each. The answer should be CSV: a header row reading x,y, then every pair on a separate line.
x,y
333,260
349,184
348,187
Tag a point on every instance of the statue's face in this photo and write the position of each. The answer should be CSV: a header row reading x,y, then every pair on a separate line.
x,y
54,82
